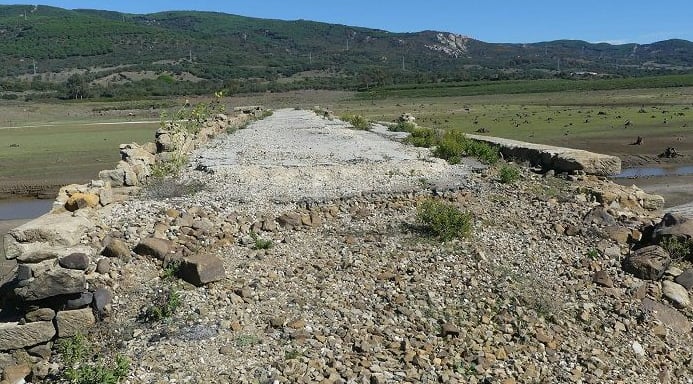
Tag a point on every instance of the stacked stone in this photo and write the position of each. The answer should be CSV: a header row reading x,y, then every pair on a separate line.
x,y
55,280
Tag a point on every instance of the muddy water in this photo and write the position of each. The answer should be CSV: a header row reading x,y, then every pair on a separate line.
x,y
631,173
23,209
14,213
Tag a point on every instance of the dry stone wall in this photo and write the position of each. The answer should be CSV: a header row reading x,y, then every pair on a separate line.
x,y
56,283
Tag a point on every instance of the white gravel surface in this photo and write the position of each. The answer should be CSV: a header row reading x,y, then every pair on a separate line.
x,y
295,155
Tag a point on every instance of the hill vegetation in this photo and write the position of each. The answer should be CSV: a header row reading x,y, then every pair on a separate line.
x,y
53,52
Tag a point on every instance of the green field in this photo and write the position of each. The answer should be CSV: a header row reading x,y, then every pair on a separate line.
x,y
76,144
605,121
64,153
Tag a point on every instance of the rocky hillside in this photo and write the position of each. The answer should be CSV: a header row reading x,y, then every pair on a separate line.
x,y
110,54
298,250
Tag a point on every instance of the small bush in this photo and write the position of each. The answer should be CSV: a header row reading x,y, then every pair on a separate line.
x,y
508,174
422,137
357,121
455,145
163,307
444,220
261,243
402,126
80,367
678,249
171,167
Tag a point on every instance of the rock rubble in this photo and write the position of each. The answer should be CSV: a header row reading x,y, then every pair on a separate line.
x,y
307,266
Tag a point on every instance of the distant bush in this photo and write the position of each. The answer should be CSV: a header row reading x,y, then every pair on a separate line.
x,y
455,145
357,121
508,174
402,126
444,220
422,137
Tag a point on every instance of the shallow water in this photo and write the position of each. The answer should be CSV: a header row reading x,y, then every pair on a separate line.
x,y
23,209
634,173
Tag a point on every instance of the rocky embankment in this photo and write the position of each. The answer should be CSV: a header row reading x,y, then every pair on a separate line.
x,y
301,260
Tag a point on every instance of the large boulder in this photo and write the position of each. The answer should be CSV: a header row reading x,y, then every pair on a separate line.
x,y
672,225
15,336
116,177
48,231
648,263
202,269
37,252
57,228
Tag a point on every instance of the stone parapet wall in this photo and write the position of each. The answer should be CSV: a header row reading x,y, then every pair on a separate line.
x,y
559,159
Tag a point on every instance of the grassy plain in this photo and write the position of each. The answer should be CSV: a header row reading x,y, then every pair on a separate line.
x,y
46,145
601,121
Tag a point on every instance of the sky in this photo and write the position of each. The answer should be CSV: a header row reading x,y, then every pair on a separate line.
x,y
511,21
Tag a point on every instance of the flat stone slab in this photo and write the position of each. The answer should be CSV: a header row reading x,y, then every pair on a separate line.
x,y
559,159
61,229
15,336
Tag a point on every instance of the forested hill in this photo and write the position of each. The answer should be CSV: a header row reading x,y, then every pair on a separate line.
x,y
92,53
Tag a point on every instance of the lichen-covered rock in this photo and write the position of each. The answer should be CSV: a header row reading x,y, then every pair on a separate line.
x,y
82,200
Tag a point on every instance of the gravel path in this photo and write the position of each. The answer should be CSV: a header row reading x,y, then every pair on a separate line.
x,y
296,155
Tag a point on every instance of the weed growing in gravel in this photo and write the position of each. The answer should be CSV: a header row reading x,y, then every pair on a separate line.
x,y
82,368
678,249
172,270
593,254
163,306
508,174
246,340
444,220
164,188
293,354
454,145
357,121
261,243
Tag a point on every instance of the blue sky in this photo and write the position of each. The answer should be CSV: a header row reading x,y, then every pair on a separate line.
x,y
517,21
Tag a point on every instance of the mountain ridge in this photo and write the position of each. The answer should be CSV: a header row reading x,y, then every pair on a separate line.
x,y
240,53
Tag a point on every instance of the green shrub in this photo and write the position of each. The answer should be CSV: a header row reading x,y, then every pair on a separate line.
x,y
678,249
163,307
455,145
261,243
422,137
82,368
508,174
444,220
357,121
